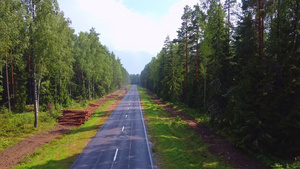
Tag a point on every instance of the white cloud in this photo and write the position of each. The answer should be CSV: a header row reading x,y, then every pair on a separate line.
x,y
130,31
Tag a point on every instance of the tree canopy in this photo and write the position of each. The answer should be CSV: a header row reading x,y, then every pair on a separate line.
x,y
43,62
244,74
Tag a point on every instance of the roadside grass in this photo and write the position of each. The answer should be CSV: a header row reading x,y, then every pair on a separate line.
x,y
202,118
15,127
175,145
62,152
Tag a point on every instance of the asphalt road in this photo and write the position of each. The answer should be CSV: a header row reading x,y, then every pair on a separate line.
x,y
122,141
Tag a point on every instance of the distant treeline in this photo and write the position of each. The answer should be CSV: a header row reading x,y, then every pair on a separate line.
x,y
43,62
245,75
135,79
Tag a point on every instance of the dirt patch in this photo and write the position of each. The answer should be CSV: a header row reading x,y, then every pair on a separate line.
x,y
11,156
218,145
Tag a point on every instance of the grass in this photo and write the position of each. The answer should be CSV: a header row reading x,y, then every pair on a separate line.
x,y
202,118
175,145
61,153
15,127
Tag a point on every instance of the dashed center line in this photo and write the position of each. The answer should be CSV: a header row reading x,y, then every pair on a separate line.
x,y
123,128
126,116
116,153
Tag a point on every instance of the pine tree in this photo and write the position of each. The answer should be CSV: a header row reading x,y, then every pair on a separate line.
x,y
183,37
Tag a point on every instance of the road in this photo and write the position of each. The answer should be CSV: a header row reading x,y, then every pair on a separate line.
x,y
122,142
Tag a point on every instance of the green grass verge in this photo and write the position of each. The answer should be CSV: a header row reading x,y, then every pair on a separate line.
x,y
202,118
61,153
175,145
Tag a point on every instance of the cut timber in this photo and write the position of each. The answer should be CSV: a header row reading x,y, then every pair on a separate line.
x,y
74,117
94,105
78,117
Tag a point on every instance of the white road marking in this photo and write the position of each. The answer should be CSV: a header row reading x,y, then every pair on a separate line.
x,y
123,128
147,141
126,116
127,108
130,146
116,153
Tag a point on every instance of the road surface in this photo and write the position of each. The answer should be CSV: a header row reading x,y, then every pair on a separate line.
x,y
122,141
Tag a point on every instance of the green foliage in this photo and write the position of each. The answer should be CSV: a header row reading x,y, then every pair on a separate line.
x,y
37,44
245,82
97,71
294,165
135,79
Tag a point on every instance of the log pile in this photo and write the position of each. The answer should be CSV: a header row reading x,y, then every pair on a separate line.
x,y
74,117
78,117
94,105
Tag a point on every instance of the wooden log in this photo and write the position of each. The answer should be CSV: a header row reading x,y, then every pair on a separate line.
x,y
94,105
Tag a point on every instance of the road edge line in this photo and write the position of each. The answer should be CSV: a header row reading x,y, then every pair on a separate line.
x,y
146,134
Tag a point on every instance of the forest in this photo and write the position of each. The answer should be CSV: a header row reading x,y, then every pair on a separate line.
x,y
45,64
243,73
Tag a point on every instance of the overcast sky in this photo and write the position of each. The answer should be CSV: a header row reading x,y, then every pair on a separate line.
x,y
134,30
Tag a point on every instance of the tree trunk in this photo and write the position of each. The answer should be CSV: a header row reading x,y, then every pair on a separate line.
x,y
278,20
36,103
260,29
204,88
186,62
55,92
70,91
12,75
197,70
39,88
7,83
60,84
278,30
228,23
89,86
296,33
30,77
93,90
35,94
83,86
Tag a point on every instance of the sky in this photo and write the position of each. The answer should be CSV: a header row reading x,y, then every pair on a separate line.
x,y
134,30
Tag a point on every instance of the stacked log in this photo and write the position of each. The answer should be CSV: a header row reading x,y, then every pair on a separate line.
x,y
74,117
78,117
94,105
